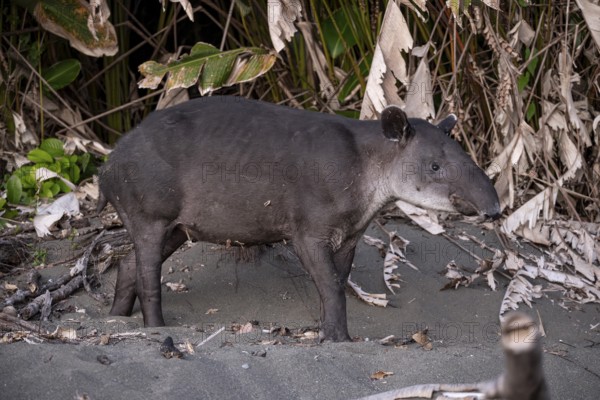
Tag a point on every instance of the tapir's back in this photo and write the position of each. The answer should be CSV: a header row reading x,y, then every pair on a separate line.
x,y
224,159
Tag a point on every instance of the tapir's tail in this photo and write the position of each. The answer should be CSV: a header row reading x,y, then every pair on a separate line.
x,y
101,202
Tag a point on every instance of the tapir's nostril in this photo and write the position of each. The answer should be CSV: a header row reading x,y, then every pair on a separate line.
x,y
494,216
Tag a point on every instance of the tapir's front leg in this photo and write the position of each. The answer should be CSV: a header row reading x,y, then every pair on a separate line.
x,y
317,259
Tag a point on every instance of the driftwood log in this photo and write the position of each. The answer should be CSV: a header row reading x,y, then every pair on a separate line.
x,y
523,377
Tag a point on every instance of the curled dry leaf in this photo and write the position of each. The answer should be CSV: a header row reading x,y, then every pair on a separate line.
x,y
371,241
388,65
591,14
419,7
394,255
421,217
380,375
377,299
513,262
319,63
49,214
457,277
177,286
189,347
520,290
419,98
282,14
10,287
86,27
211,311
64,333
168,349
246,328
423,340
185,4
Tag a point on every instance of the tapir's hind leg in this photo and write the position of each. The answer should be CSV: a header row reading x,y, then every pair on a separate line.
x,y
125,291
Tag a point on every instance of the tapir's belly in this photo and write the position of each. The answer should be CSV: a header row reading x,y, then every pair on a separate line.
x,y
232,220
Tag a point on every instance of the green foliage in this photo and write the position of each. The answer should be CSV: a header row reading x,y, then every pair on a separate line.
x,y
338,33
39,257
22,187
210,68
62,73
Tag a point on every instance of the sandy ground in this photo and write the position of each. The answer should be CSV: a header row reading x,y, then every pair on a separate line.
x,y
273,290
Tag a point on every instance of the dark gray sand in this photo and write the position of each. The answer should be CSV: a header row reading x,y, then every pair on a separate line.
x,y
274,291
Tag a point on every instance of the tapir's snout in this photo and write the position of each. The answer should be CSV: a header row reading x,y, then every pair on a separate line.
x,y
477,197
486,204
494,214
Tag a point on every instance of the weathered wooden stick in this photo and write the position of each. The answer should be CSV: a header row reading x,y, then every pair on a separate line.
x,y
33,278
523,378
59,294
15,323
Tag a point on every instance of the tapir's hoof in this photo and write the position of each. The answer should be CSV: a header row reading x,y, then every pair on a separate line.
x,y
334,335
154,322
120,312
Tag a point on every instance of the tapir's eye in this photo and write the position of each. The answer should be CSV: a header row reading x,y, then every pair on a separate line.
x,y
435,166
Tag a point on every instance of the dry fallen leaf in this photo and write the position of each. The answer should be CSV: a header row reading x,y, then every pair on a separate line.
x,y
64,333
377,299
10,287
422,339
189,347
388,65
211,311
104,339
520,290
282,14
246,328
457,277
380,375
177,287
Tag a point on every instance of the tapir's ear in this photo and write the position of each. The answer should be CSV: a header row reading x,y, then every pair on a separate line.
x,y
395,124
448,123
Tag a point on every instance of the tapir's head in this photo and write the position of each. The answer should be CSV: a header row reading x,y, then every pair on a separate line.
x,y
431,170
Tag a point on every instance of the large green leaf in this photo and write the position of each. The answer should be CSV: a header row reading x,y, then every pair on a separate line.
x,y
62,73
210,68
91,34
14,189
338,32
40,156
53,146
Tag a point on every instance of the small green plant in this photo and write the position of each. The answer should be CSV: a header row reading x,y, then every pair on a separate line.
x,y
51,173
39,257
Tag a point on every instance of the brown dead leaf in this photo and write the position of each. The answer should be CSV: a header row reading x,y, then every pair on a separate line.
x,y
457,277
380,375
104,339
10,287
423,340
211,311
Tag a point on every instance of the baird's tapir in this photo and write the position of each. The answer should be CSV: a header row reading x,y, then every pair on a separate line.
x,y
228,170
